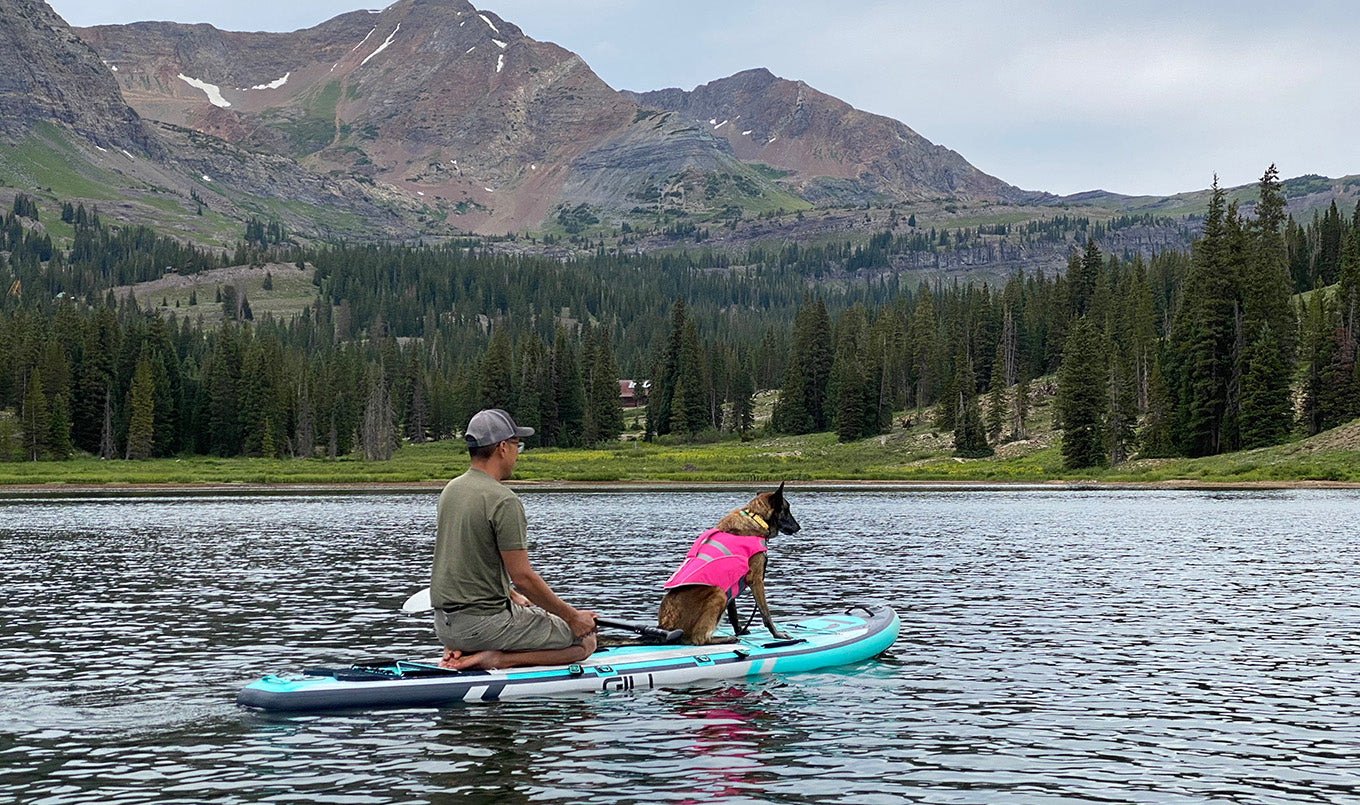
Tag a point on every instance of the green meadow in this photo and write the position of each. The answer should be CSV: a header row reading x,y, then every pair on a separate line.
x,y
915,454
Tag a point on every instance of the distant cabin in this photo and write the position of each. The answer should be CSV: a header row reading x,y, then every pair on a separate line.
x,y
633,393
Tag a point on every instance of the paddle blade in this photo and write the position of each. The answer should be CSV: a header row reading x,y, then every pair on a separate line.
x,y
420,602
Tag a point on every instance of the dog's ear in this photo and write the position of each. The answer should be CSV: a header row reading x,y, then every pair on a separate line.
x,y
777,498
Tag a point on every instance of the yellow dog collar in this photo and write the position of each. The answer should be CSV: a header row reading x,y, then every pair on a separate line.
x,y
760,522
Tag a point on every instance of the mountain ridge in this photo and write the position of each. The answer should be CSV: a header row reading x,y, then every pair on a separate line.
x,y
497,130
432,119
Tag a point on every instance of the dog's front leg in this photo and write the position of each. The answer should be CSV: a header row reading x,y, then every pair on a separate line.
x,y
735,618
755,579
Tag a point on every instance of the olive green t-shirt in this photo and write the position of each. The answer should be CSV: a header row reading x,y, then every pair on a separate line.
x,y
477,518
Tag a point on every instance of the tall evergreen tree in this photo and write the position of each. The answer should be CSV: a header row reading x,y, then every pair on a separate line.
x,y
1121,423
141,441
970,436
604,411
1083,397
661,400
742,391
568,389
690,410
996,399
923,347
1203,339
59,440
855,390
34,422
790,413
1268,317
1020,409
378,437
496,385
1265,413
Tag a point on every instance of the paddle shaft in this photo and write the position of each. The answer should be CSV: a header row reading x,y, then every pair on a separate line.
x,y
649,632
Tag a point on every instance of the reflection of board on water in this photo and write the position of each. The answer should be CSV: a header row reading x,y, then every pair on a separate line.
x,y
819,642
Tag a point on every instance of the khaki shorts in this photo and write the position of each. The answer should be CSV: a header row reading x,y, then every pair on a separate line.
x,y
515,629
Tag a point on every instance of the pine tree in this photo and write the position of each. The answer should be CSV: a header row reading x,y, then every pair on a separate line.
x,y
922,347
996,399
1155,437
141,440
378,437
533,380
568,389
1083,397
813,347
59,441
496,385
1265,414
1348,292
1020,410
253,395
1317,356
35,423
606,412
1203,339
856,406
418,406
850,424
1121,424
970,435
1267,306
690,409
305,443
107,448
661,401
790,413
742,391
222,378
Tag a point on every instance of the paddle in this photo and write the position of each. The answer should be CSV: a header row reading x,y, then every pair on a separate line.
x,y
417,603
650,632
420,602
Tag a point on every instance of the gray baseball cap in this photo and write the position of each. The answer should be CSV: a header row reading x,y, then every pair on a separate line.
x,y
491,426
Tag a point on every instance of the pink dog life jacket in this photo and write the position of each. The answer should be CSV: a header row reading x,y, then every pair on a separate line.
x,y
718,559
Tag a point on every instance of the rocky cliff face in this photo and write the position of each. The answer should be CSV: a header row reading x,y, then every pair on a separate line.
x,y
48,74
59,100
832,151
453,105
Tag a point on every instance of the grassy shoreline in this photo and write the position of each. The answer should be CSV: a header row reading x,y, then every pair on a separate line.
x,y
912,458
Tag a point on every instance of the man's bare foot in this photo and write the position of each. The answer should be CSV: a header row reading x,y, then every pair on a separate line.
x,y
478,660
450,656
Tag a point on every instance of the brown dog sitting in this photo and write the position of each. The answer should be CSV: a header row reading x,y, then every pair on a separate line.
x,y
721,563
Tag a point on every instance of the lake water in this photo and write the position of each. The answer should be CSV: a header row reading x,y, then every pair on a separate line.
x,y
1057,646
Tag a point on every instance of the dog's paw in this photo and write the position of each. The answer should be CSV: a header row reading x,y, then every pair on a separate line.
x,y
782,635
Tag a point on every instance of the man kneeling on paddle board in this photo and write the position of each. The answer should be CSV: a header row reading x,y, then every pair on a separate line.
x,y
481,550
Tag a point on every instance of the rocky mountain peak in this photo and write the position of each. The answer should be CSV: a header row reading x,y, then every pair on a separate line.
x,y
48,74
832,151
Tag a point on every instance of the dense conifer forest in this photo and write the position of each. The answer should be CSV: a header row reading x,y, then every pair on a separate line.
x,y
1244,340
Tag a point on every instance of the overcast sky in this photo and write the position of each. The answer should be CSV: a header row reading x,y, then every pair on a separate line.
x,y
1151,98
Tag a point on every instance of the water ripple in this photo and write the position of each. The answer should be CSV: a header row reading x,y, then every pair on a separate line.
x,y
1159,647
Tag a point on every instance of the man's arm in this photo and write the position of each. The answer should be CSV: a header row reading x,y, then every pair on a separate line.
x,y
532,585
